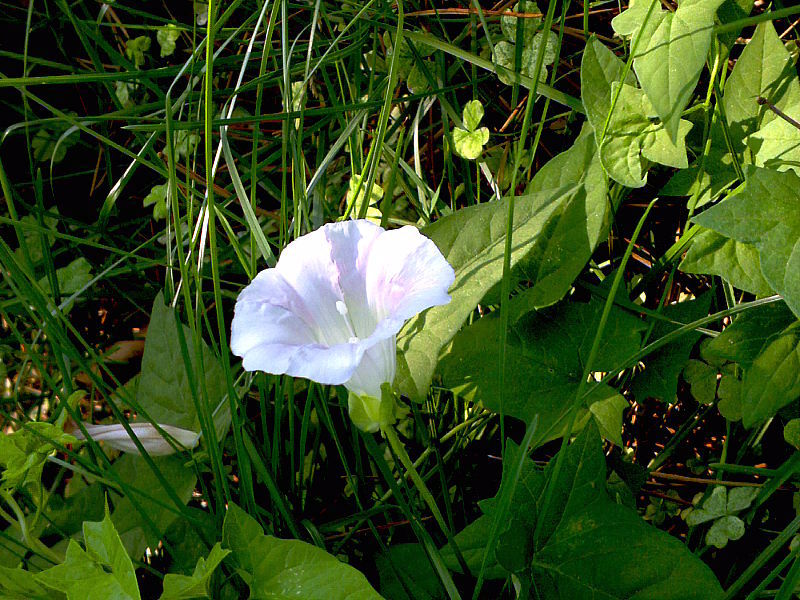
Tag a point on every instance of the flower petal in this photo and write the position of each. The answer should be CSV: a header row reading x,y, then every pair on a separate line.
x,y
351,243
406,273
155,444
307,266
377,366
269,314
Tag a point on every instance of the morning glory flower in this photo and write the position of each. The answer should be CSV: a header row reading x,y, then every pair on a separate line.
x,y
116,437
331,308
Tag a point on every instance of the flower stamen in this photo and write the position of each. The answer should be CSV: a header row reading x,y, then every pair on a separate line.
x,y
341,308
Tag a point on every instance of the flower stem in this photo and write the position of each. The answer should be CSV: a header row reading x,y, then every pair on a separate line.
x,y
398,448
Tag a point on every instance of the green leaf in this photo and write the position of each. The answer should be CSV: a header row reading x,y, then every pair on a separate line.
x,y
672,51
590,557
765,213
166,38
24,452
181,587
472,114
576,229
504,55
405,569
586,540
417,82
736,262
18,584
157,198
777,144
714,506
791,433
275,568
472,240
729,393
71,278
135,49
545,359
185,143
607,414
164,389
102,571
559,222
600,68
633,138
469,144
663,367
135,473
508,24
763,69
702,379
773,380
723,530
742,340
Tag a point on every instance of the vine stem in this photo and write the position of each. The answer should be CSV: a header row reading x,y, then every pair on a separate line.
x,y
400,451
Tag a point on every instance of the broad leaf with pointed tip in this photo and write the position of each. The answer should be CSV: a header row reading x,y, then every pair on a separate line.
x,y
633,138
765,213
276,568
736,262
672,51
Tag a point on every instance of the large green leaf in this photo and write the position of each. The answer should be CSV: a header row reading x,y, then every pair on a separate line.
x,y
600,67
406,574
183,587
662,368
736,262
576,227
566,209
278,569
607,551
102,571
134,471
545,359
742,340
773,380
585,541
672,50
633,138
18,584
165,387
765,213
763,69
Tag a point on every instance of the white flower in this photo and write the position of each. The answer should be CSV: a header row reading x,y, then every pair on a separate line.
x,y
155,444
330,309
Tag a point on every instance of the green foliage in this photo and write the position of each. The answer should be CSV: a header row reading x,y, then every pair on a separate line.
x,y
181,587
102,570
580,546
765,213
24,452
135,49
734,261
670,54
543,378
166,38
633,138
166,389
469,140
721,507
275,568
157,198
659,379
566,208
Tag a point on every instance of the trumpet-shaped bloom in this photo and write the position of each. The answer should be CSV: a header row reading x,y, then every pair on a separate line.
x,y
155,444
331,307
